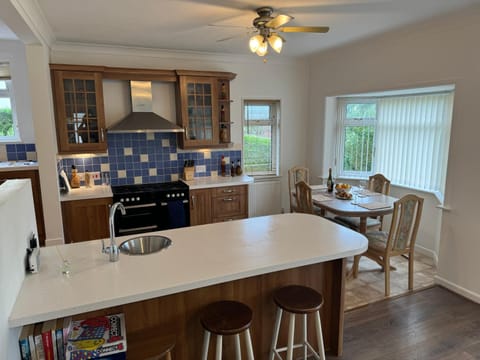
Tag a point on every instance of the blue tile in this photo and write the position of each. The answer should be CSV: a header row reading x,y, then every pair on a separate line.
x,y
20,148
11,156
10,148
30,147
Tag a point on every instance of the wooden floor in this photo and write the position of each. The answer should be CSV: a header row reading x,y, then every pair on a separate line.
x,y
429,324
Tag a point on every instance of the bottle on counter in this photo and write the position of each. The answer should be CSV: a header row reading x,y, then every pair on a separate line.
x,y
88,181
232,169
223,166
75,180
238,168
330,181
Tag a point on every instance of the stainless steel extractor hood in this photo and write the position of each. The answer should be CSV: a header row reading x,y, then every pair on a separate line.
x,y
142,118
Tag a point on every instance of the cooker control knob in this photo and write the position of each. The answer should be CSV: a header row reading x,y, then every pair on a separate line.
x,y
133,199
173,195
122,200
127,199
168,195
182,194
138,198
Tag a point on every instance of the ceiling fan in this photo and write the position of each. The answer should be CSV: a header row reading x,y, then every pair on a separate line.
x,y
267,28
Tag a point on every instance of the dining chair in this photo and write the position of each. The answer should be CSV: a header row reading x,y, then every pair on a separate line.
x,y
376,183
303,198
399,240
296,174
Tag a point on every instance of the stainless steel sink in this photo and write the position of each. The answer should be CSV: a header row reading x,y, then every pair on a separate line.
x,y
143,245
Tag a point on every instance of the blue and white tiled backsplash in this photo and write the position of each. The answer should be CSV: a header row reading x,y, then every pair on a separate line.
x,y
18,152
144,158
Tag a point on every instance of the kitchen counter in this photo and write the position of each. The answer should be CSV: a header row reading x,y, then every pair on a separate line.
x,y
83,193
200,256
18,165
216,181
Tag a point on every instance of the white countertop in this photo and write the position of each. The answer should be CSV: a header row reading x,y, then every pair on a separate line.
x,y
83,193
216,181
199,256
18,165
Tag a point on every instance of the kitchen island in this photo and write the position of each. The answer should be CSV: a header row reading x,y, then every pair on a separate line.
x,y
242,260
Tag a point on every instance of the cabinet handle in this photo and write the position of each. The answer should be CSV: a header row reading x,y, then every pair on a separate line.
x,y
229,191
193,201
227,199
102,134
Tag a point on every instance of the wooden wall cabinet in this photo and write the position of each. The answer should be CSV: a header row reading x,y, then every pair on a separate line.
x,y
37,196
218,204
203,108
85,219
79,111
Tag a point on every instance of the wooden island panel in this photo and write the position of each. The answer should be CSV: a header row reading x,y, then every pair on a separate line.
x,y
176,316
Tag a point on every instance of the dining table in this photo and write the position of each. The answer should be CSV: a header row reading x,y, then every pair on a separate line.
x,y
363,204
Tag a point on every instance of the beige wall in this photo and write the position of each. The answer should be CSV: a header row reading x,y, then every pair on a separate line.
x,y
441,51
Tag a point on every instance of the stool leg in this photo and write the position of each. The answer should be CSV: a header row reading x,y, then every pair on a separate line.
x,y
248,340
238,350
291,331
276,330
206,340
318,325
218,355
304,318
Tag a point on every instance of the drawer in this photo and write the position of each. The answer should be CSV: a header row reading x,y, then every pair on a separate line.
x,y
229,190
229,218
229,205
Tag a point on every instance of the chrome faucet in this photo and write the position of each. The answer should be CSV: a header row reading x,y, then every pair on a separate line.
x,y
112,250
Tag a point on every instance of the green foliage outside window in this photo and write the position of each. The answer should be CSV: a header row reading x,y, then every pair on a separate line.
x,y
361,111
258,151
358,148
6,122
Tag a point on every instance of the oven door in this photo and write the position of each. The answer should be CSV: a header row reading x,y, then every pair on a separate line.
x,y
174,214
138,218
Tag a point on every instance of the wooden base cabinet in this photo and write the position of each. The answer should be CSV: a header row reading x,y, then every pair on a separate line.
x,y
85,219
218,204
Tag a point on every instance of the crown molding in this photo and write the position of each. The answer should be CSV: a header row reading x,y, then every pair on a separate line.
x,y
60,47
33,16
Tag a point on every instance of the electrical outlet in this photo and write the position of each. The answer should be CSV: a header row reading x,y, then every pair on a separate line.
x,y
95,175
201,168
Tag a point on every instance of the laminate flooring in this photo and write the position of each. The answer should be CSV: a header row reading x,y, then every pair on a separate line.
x,y
369,286
430,324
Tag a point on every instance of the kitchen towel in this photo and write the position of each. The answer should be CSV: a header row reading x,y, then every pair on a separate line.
x,y
176,214
374,205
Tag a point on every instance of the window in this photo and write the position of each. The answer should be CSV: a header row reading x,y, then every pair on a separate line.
x,y
8,124
403,136
261,137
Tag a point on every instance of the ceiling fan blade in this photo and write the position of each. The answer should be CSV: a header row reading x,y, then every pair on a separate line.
x,y
278,21
312,29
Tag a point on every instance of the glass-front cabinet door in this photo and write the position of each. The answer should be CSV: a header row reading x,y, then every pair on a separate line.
x,y
198,107
79,111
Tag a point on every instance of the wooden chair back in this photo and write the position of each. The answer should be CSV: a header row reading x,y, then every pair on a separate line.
x,y
379,183
406,216
296,174
303,194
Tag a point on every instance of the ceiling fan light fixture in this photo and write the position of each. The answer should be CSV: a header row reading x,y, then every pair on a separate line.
x,y
276,42
255,42
262,49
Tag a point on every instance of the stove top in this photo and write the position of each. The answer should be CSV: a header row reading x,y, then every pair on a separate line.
x,y
150,188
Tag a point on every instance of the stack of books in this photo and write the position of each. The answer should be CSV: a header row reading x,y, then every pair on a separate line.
x,y
45,340
101,337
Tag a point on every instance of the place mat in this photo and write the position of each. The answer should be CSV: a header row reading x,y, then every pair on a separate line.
x,y
320,197
368,193
374,205
318,187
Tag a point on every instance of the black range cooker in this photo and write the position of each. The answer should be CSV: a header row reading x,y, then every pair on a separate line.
x,y
151,207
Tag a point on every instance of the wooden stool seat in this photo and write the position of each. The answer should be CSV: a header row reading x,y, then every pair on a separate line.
x,y
226,317
298,299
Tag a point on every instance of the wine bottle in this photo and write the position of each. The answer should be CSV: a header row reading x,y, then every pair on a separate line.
x,y
223,166
330,181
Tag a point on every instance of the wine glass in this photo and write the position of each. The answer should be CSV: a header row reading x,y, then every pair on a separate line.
x,y
362,185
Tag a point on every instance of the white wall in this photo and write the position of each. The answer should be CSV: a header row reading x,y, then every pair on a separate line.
x,y
13,52
17,221
440,51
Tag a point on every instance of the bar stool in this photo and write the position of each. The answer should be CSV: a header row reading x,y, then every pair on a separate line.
x,y
297,300
226,318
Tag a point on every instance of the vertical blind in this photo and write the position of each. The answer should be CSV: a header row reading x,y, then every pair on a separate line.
x,y
412,139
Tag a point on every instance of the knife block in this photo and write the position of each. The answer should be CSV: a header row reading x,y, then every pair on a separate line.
x,y
188,172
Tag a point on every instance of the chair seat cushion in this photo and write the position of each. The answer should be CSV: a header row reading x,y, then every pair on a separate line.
x,y
355,221
377,240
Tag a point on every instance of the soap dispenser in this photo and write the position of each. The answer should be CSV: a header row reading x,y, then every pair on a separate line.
x,y
75,180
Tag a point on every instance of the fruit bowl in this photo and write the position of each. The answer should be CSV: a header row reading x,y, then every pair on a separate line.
x,y
343,188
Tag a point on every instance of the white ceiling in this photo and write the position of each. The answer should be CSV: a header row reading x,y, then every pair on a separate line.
x,y
187,24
